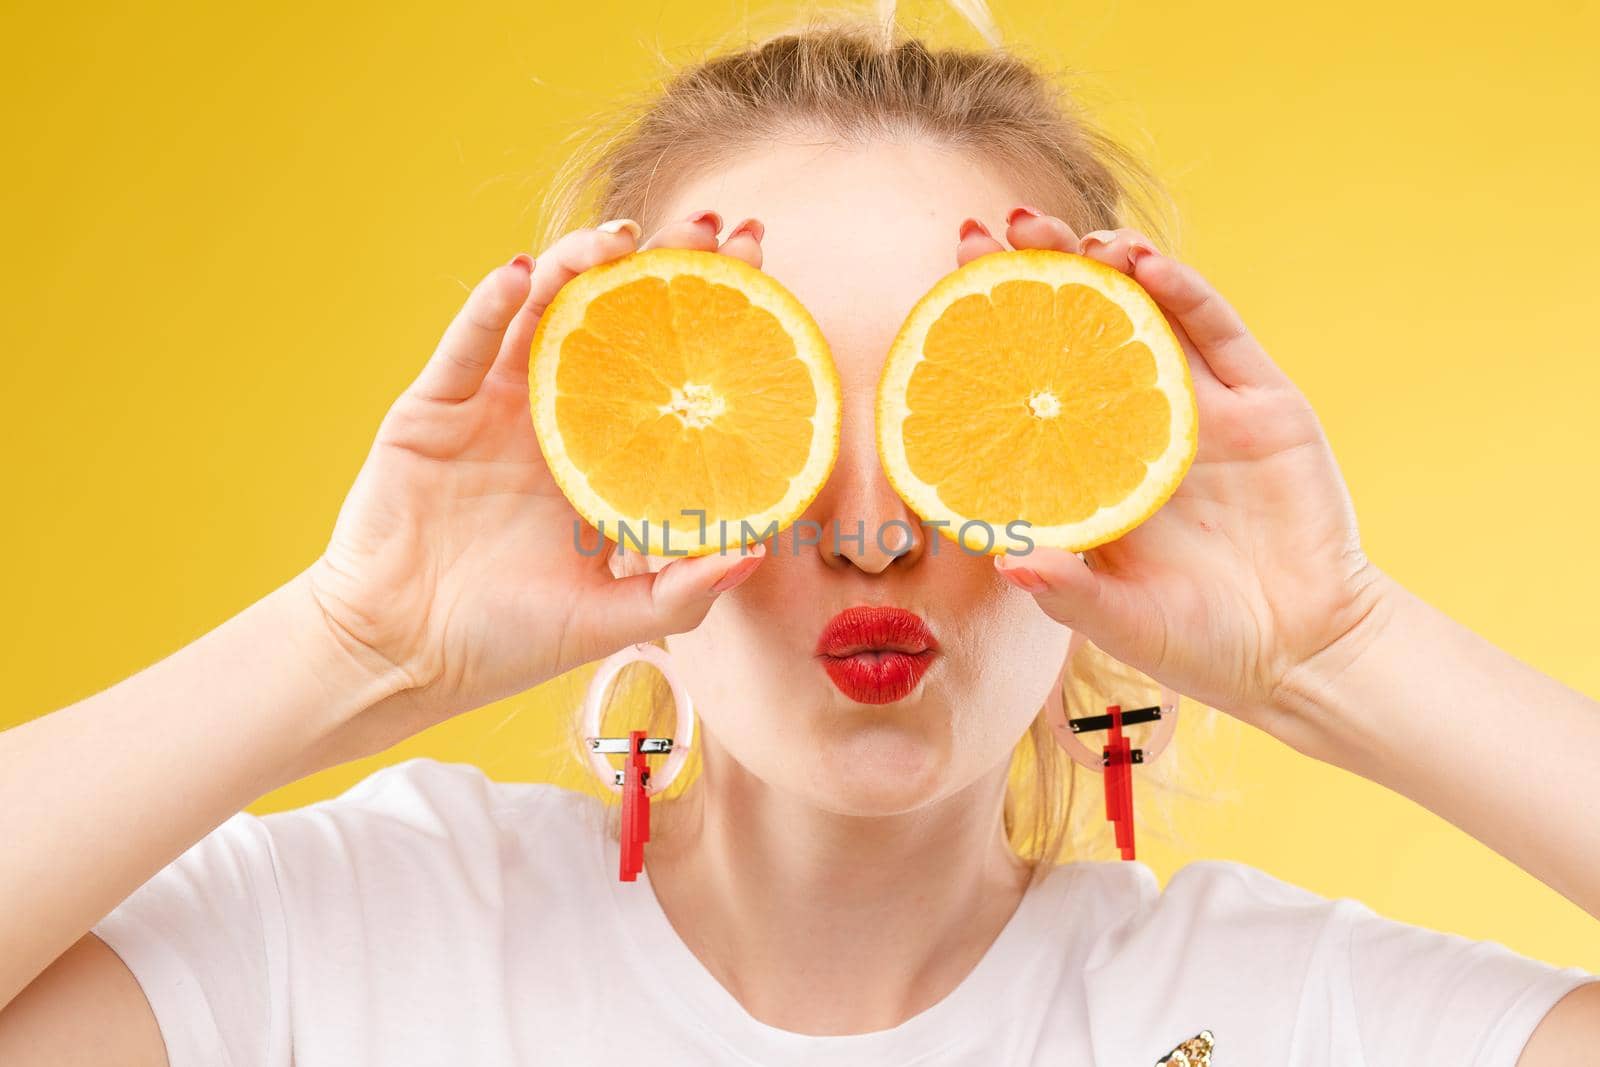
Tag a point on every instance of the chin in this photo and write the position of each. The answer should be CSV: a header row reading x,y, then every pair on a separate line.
x,y
881,763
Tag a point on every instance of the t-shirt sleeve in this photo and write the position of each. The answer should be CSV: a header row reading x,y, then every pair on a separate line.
x,y
1289,975
206,940
1425,996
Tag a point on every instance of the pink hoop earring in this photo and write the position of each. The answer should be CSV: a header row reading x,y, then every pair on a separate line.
x,y
635,781
1116,759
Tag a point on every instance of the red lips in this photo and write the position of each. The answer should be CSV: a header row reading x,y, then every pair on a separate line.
x,y
876,655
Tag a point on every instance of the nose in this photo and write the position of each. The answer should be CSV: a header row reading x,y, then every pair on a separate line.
x,y
861,522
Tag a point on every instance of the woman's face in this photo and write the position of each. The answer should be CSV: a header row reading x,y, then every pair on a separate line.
x,y
858,234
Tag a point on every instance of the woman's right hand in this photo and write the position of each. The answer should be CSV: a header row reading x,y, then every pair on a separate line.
x,y
454,568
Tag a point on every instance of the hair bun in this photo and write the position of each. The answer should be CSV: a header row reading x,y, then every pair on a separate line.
x,y
976,12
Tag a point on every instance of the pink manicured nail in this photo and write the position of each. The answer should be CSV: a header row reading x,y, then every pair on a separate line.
x,y
633,229
1137,251
523,260
972,226
751,226
1098,237
737,575
1020,211
1023,578
711,217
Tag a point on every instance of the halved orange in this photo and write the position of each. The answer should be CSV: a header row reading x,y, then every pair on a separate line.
x,y
685,401
1040,388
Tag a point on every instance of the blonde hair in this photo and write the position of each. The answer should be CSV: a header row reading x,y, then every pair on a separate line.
x,y
855,79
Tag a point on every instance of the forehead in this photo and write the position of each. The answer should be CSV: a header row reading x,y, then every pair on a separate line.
x,y
857,232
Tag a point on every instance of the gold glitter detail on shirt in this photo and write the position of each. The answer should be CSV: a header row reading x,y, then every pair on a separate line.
x,y
1195,1052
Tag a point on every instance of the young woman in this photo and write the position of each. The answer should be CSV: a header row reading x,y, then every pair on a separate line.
x,y
839,884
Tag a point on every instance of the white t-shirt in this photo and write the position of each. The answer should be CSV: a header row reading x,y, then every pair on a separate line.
x,y
430,915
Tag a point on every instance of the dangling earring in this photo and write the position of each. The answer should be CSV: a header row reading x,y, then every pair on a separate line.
x,y
1116,759
636,782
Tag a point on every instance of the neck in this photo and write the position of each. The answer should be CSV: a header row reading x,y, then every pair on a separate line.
x,y
820,923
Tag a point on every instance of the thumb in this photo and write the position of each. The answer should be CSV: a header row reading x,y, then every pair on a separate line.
x,y
1105,608
644,607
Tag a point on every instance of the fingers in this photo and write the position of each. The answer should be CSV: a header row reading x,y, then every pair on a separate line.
x,y
1216,329
745,242
1105,608
473,339
1028,227
1112,247
582,249
1217,332
572,254
1115,247
699,231
974,240
645,607
575,252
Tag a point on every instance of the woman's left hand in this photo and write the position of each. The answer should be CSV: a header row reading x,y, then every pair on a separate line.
x,y
1254,565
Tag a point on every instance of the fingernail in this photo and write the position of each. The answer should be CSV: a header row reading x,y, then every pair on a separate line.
x,y
737,575
523,260
711,217
972,226
618,225
1020,211
1137,251
751,226
1023,578
1098,237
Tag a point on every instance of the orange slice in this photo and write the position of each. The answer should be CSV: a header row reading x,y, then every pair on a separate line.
x,y
685,401
1040,388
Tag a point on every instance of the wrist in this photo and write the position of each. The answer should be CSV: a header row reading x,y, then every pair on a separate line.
x,y
353,675
1318,703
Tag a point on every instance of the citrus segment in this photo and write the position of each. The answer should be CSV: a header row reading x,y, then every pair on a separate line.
x,y
674,382
1040,388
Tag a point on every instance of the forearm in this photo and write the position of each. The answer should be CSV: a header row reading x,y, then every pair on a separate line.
x,y
1415,701
99,796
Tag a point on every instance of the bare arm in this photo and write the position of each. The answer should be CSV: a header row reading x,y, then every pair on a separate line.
x,y
101,795
450,581
85,1010
1417,702
1250,592
1568,1034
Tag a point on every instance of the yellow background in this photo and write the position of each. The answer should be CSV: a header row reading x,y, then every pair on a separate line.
x,y
233,234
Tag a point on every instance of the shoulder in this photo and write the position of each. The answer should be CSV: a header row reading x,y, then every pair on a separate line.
x,y
424,816
429,795
1210,895
1222,946
1228,889
1221,917
1219,911
1232,912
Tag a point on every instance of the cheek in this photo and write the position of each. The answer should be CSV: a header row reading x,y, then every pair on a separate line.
x,y
770,706
752,654
1009,657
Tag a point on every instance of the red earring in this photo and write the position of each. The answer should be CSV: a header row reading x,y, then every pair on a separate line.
x,y
1116,758
635,781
